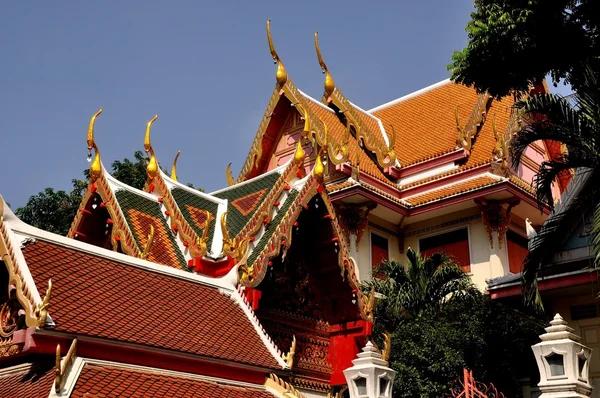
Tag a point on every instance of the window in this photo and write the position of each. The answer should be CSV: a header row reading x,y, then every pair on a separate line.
x,y
361,386
556,363
517,251
383,387
454,243
379,249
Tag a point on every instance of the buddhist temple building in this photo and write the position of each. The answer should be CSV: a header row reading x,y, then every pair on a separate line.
x,y
254,290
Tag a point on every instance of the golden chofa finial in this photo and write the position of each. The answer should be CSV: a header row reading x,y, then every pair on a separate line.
x,y
147,144
174,167
96,166
329,83
152,167
230,181
281,72
90,137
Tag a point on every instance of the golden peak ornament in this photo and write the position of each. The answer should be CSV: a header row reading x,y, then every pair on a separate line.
x,y
281,74
174,167
96,166
329,83
147,143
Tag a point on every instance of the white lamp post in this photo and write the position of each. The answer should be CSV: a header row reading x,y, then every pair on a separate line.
x,y
370,376
563,362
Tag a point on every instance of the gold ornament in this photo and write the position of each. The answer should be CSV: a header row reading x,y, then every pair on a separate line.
x,y
281,74
174,167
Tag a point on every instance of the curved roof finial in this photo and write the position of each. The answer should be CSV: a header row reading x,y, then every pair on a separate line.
x,y
147,144
281,74
96,166
90,137
329,83
174,167
152,167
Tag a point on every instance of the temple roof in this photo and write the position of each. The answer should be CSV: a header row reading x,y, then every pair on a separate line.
x,y
113,380
102,294
28,380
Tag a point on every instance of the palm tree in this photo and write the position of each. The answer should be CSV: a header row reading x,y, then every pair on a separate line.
x,y
573,121
426,284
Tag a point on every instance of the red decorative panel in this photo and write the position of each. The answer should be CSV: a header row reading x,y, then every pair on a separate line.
x,y
162,251
247,203
198,216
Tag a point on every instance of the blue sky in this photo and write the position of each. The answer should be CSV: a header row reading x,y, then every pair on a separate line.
x,y
204,67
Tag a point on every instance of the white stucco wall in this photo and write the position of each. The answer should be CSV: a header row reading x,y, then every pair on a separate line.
x,y
486,262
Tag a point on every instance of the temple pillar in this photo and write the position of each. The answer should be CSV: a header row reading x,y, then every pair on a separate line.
x,y
354,219
496,217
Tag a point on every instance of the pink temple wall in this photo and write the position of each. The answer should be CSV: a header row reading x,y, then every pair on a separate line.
x,y
286,143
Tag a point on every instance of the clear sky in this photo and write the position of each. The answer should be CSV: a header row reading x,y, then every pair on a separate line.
x,y
204,67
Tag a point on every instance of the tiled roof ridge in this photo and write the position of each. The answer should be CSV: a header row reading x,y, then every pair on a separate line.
x,y
82,364
20,228
185,234
410,95
171,183
379,122
255,151
265,209
239,296
279,169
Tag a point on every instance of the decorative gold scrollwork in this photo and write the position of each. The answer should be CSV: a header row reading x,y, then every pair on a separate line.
x,y
41,311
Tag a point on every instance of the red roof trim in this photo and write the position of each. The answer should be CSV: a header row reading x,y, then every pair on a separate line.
x,y
46,341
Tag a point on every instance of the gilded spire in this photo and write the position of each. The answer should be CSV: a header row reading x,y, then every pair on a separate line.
x,y
96,166
174,167
281,72
152,167
329,83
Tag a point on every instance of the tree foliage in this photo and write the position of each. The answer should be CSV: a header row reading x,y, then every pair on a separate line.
x,y
514,44
430,350
425,284
574,122
54,211
441,323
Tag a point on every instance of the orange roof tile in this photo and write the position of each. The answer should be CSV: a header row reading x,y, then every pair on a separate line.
x,y
32,381
101,297
455,189
425,124
112,381
337,186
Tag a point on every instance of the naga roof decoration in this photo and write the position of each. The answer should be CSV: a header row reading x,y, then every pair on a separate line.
x,y
367,128
27,294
